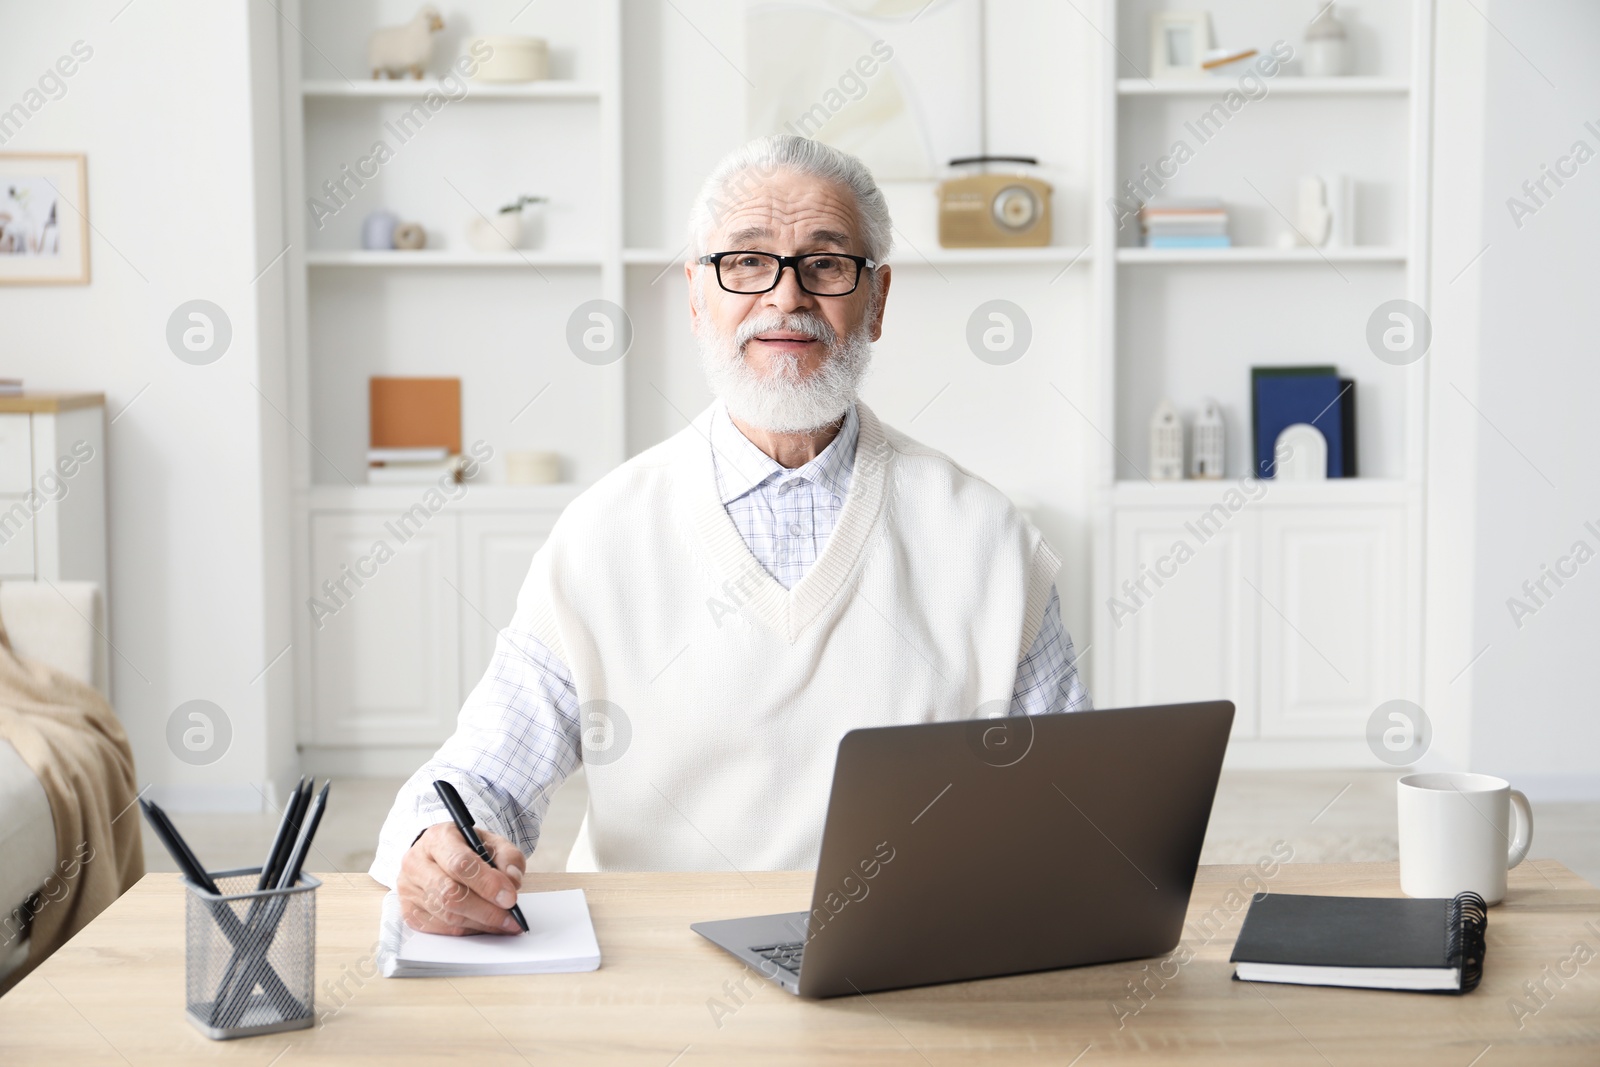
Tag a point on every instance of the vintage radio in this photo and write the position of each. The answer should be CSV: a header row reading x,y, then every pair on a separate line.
x,y
994,210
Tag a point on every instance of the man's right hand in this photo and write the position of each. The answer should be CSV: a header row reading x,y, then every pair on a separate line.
x,y
446,889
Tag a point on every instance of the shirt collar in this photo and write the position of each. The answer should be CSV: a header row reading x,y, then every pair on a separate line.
x,y
741,466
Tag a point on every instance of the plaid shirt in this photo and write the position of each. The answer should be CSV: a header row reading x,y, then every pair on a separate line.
x,y
517,737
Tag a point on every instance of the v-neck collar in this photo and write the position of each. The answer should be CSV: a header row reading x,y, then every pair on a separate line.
x,y
744,579
741,467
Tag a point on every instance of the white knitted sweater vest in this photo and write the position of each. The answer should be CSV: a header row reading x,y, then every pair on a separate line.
x,y
713,700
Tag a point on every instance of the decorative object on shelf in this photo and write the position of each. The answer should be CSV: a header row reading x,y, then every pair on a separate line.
x,y
377,230
1226,61
533,468
1316,395
1327,47
512,58
410,236
414,429
1178,40
1303,454
1192,223
502,231
1313,217
395,51
994,210
1341,193
1166,444
1210,441
44,226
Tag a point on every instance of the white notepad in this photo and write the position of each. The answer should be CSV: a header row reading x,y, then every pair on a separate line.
x,y
560,939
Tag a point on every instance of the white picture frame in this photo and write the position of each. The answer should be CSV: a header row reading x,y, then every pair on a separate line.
x,y
44,226
1178,43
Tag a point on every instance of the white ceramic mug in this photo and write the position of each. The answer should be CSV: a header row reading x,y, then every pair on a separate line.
x,y
1455,834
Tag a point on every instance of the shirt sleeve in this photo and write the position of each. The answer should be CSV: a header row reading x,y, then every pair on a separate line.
x,y
1047,677
516,740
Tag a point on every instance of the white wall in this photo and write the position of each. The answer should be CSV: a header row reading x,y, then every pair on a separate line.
x,y
162,108
1513,476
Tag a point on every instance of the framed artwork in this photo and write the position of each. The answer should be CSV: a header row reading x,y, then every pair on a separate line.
x,y
44,226
1178,42
897,83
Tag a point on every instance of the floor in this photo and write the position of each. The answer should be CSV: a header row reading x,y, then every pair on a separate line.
x,y
1324,816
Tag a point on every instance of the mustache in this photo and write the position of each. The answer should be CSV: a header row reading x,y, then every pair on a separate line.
x,y
807,323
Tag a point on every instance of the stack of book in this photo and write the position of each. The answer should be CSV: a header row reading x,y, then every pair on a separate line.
x,y
390,466
10,386
415,430
1185,224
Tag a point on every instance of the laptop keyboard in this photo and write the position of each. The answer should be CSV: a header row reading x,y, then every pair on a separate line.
x,y
786,954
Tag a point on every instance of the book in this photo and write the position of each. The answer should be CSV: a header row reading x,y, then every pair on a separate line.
x,y
413,473
1347,422
1279,398
407,455
1425,945
414,413
559,940
1157,240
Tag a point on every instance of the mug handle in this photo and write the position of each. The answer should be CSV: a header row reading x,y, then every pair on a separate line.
x,y
1522,839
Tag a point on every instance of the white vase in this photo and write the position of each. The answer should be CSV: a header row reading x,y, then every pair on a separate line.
x,y
499,233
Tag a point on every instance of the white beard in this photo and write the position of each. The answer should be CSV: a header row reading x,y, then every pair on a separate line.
x,y
783,401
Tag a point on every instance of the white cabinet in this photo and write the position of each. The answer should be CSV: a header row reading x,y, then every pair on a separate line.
x,y
403,617
1332,618
1292,607
1181,626
496,550
53,498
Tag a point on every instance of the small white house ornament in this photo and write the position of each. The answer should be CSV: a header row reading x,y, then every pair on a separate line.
x,y
1166,444
1209,442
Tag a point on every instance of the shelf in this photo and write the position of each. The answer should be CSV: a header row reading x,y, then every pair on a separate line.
x,y
1196,492
447,258
407,89
1216,85
1053,255
1263,254
653,257
478,497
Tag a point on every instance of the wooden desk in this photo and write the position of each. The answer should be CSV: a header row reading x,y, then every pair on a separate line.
x,y
114,994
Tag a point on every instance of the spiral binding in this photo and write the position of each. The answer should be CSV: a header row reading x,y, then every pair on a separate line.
x,y
1464,937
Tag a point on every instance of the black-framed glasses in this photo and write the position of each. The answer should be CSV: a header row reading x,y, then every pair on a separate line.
x,y
819,273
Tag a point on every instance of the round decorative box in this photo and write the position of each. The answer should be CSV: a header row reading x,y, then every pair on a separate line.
x,y
512,58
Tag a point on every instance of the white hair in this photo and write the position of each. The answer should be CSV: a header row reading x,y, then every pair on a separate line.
x,y
732,178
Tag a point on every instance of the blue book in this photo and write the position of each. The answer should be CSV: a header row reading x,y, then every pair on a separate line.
x,y
1283,400
1159,240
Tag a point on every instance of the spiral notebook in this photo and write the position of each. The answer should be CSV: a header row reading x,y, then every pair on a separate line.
x,y
560,939
1430,945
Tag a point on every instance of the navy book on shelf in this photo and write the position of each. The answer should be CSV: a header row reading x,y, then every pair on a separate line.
x,y
1283,400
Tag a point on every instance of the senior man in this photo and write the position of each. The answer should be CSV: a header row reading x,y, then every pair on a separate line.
x,y
707,620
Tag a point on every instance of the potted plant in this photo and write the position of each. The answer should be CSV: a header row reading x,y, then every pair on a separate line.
x,y
501,232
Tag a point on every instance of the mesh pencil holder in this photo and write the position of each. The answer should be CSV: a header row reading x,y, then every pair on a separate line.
x,y
250,957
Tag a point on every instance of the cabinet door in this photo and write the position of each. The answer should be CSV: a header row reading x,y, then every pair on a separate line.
x,y
1183,628
1332,618
384,662
496,550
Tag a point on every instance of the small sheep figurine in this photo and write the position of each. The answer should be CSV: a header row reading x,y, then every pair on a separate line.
x,y
396,50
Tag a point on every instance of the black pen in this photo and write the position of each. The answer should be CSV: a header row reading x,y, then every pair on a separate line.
x,y
463,818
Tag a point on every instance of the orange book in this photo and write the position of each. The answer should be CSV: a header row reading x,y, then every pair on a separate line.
x,y
415,413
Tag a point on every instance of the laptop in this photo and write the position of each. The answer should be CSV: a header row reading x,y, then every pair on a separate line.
x,y
962,850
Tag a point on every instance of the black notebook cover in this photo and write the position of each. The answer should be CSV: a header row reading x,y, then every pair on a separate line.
x,y
1316,931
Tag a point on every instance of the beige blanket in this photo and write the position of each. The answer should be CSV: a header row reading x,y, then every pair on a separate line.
x,y
68,736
